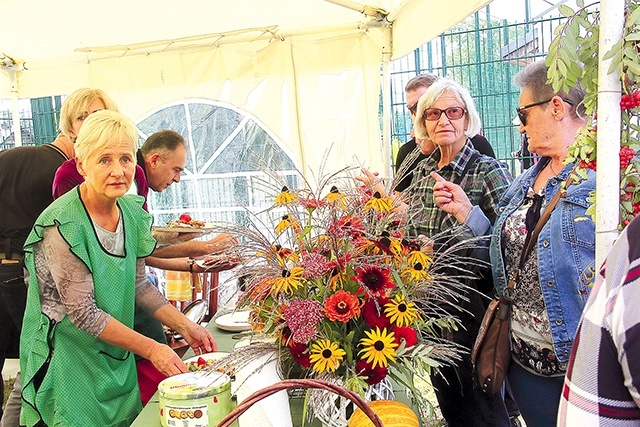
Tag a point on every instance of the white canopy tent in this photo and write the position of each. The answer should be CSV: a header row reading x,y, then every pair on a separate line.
x,y
309,70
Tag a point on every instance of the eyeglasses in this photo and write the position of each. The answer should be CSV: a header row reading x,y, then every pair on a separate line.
x,y
452,113
413,108
523,117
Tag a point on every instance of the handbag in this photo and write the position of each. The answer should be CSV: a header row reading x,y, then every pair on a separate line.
x,y
491,353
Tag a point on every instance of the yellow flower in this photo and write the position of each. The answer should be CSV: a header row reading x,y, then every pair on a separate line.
x,y
286,222
290,280
401,312
285,197
419,257
335,197
325,356
378,203
379,347
415,272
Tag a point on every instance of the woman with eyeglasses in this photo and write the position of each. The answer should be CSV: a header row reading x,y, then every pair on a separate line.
x,y
556,278
447,116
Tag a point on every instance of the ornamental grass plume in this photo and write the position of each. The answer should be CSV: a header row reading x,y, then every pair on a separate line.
x,y
350,297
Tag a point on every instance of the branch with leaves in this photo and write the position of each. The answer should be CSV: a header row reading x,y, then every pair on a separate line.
x,y
577,42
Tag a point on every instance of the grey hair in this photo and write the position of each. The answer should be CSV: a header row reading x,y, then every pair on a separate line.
x,y
534,77
431,96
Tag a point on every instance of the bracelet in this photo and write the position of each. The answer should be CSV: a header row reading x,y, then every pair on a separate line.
x,y
191,262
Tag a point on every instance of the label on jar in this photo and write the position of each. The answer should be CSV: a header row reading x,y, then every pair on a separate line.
x,y
186,415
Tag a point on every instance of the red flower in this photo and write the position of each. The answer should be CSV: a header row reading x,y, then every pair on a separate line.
x,y
342,306
377,280
373,375
312,203
373,313
298,353
347,225
406,333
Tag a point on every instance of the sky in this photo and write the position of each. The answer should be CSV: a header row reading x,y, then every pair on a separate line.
x,y
514,10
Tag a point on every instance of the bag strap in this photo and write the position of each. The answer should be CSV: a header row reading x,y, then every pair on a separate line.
x,y
562,192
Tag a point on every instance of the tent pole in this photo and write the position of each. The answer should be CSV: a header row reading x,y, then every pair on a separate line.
x,y
608,147
386,106
15,113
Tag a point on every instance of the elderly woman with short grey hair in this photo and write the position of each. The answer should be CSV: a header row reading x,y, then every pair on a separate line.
x,y
447,116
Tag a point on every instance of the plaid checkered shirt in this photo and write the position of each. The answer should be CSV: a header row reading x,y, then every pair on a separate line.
x,y
484,183
602,384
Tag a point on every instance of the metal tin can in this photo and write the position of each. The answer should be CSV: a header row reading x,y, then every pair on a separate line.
x,y
195,400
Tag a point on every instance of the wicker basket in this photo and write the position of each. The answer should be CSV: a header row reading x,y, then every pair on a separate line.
x,y
302,383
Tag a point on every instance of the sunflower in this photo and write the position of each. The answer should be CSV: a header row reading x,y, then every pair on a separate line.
x,y
286,222
401,312
378,203
342,306
285,197
290,280
326,356
375,279
379,347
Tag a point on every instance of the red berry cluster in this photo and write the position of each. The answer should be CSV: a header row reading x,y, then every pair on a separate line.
x,y
588,165
630,101
626,154
636,208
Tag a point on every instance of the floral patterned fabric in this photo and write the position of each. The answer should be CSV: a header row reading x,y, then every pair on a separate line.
x,y
531,341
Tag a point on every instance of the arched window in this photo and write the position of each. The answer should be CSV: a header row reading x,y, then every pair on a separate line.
x,y
229,151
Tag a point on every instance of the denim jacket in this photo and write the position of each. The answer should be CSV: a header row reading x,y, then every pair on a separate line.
x,y
566,252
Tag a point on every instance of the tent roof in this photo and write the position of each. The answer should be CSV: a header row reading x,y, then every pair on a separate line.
x,y
308,70
45,34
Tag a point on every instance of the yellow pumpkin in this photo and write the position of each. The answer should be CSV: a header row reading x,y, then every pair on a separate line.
x,y
391,413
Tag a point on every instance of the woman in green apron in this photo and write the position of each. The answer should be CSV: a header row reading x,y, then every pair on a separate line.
x,y
85,257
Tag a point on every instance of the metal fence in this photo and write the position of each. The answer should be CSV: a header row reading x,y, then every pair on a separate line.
x,y
484,56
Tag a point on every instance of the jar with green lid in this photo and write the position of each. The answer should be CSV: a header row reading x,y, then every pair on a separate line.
x,y
195,399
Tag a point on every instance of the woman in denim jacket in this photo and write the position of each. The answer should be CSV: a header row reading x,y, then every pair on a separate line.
x,y
554,283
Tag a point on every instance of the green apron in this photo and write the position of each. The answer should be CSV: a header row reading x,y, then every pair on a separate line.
x,y
70,378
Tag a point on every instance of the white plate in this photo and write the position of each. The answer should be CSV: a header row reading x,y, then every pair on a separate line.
x,y
201,230
236,321
207,356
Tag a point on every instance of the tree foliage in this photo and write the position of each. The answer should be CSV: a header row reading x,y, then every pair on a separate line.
x,y
577,42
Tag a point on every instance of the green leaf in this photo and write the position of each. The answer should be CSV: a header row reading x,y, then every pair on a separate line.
x,y
634,18
615,50
633,36
580,3
565,10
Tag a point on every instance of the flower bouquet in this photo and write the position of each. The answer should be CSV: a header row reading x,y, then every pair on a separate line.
x,y
349,297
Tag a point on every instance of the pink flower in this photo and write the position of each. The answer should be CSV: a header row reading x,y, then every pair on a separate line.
x,y
302,317
315,265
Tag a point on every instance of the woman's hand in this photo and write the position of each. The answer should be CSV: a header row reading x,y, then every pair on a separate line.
x,y
451,198
200,339
166,360
221,242
368,178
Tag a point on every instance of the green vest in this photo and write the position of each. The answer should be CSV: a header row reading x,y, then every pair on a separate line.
x,y
70,378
